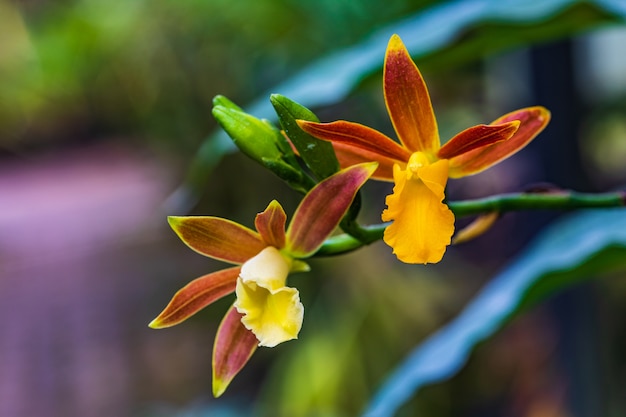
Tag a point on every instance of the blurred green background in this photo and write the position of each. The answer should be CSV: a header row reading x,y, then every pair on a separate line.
x,y
105,128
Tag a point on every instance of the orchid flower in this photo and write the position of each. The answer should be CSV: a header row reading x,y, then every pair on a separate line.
x,y
266,311
422,224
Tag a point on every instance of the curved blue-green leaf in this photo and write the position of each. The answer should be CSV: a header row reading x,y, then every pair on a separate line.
x,y
582,245
445,34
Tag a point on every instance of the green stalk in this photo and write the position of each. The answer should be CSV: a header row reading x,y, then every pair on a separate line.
x,y
561,200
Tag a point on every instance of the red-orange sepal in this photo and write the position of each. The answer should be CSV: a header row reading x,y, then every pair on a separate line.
x,y
218,238
196,295
321,210
477,137
271,224
234,345
532,121
356,135
408,101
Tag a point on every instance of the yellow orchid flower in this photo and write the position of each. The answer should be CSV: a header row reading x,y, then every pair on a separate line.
x,y
422,224
266,311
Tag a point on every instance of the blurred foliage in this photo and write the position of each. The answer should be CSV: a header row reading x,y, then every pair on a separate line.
x,y
152,67
575,248
603,144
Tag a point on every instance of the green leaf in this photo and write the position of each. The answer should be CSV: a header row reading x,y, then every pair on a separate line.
x,y
318,155
582,245
447,34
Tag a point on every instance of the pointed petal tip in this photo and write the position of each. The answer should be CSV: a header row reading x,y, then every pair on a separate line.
x,y
544,113
307,125
159,323
155,324
273,204
174,221
475,229
369,167
364,168
395,43
219,386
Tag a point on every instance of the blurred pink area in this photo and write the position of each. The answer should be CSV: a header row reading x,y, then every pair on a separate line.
x,y
67,204
72,228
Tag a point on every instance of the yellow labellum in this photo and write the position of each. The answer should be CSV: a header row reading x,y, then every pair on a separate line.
x,y
271,310
422,224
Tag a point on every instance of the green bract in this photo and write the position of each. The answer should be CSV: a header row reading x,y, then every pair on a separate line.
x,y
261,141
317,154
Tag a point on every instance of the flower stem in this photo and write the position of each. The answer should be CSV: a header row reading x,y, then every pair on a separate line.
x,y
554,200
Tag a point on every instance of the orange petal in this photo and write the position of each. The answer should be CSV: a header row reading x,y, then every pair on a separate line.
x,y
476,228
532,121
218,238
271,225
408,101
234,345
422,225
321,210
350,155
196,295
356,135
477,137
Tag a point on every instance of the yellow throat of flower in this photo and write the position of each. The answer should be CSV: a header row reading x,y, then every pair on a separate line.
x,y
271,310
422,223
416,161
